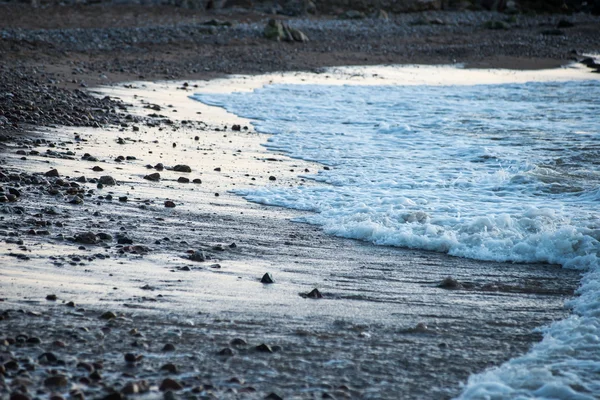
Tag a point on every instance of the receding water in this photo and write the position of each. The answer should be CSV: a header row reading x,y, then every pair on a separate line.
x,y
504,172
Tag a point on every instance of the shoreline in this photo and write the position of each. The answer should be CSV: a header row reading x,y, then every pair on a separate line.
x,y
382,314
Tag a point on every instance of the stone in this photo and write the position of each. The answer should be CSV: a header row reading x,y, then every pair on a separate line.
x,y
170,384
132,358
182,168
155,177
168,347
108,315
197,180
273,396
97,168
226,352
169,204
53,173
238,342
170,368
86,238
183,180
314,294
267,278
264,348
272,178
450,283
198,256
107,180
236,127
51,297
56,381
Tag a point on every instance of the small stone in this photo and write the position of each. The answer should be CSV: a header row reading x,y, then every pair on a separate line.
x,y
450,283
108,315
170,368
34,340
236,127
19,396
170,384
123,199
51,297
53,173
267,278
155,177
169,204
183,180
107,180
182,168
238,342
272,178
168,347
197,180
97,168
273,396
132,358
86,238
227,352
264,348
159,167
198,256
314,294
56,381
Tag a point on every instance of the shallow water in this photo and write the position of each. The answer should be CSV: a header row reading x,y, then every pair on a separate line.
x,y
504,172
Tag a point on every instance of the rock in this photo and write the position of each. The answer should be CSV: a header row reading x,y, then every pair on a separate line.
x,y
236,127
107,180
170,384
132,358
273,396
159,167
226,352
183,180
53,173
57,381
314,294
108,315
197,180
353,14
277,30
198,256
123,199
450,283
96,168
238,342
168,347
263,348
272,178
182,168
104,236
155,177
170,368
267,278
51,297
169,204
86,238
19,396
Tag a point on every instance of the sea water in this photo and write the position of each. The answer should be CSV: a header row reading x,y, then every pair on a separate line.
x,y
503,172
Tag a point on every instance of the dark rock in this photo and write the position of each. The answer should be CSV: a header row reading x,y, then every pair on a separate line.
x,y
107,180
264,348
155,177
53,173
238,342
197,180
56,381
267,278
132,358
108,315
450,283
182,168
183,180
198,256
104,236
170,384
159,167
123,199
168,347
51,297
97,168
226,352
169,204
314,294
272,178
273,396
170,368
86,238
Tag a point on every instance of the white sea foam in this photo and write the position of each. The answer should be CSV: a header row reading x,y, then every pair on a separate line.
x,y
492,172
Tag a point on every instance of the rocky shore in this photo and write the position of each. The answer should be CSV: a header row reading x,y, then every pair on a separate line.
x,y
128,269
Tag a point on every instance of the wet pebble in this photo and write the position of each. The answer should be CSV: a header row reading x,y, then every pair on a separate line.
x,y
267,278
155,177
169,204
170,384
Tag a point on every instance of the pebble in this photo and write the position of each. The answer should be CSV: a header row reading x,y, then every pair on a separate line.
x,y
183,180
170,368
155,177
170,384
227,352
198,256
53,173
51,297
169,204
182,168
56,381
107,180
168,347
264,348
108,315
267,278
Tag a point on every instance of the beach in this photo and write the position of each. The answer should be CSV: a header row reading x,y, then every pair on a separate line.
x,y
149,283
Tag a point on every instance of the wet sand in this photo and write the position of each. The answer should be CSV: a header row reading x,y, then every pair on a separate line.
x,y
384,327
